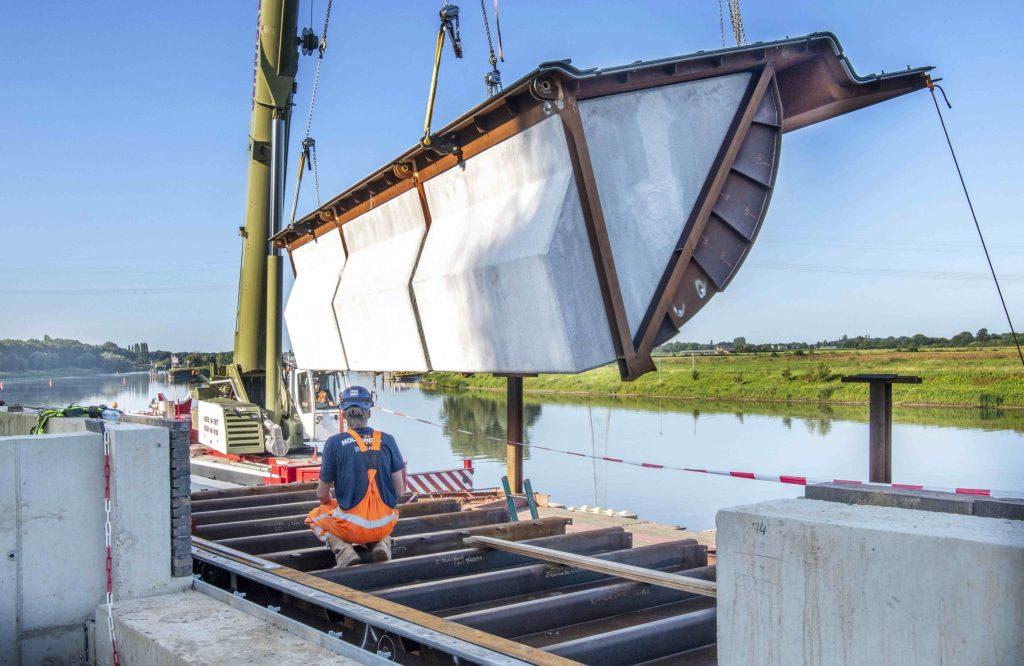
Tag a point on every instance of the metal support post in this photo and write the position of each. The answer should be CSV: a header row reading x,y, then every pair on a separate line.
x,y
880,422
514,433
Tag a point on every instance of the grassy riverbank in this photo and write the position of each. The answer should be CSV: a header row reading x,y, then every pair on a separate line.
x,y
966,377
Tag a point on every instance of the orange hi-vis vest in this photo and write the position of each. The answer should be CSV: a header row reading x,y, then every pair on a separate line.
x,y
370,520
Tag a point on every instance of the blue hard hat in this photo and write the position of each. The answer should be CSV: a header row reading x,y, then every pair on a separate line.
x,y
356,396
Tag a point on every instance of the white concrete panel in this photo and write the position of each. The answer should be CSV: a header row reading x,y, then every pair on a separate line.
x,y
10,579
309,314
374,306
652,151
506,281
811,582
140,491
60,527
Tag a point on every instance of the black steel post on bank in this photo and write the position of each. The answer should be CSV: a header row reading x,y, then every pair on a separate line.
x,y
880,421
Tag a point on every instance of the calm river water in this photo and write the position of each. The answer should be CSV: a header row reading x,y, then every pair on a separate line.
x,y
930,446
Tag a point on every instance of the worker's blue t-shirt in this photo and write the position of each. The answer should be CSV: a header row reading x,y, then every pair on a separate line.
x,y
346,466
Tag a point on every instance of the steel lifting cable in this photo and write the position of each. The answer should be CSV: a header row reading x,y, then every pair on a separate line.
x,y
308,157
949,142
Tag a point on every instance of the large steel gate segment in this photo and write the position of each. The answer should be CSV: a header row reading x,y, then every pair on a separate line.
x,y
582,217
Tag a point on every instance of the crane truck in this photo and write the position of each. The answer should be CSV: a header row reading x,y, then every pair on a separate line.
x,y
256,406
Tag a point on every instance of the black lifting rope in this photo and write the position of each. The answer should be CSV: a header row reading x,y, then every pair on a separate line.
x,y
949,142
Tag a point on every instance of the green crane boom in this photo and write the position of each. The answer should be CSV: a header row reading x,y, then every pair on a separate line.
x,y
257,348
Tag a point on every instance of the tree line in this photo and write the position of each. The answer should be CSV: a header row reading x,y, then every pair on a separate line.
x,y
62,353
982,338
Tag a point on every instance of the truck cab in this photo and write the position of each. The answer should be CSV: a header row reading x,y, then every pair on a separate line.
x,y
315,396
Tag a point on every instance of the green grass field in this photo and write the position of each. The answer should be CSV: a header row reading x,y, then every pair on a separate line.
x,y
966,377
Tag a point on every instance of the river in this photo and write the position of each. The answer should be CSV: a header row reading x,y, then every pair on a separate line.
x,y
955,447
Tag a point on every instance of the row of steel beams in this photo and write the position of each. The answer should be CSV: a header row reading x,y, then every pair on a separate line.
x,y
435,596
413,525
642,642
416,544
553,612
425,508
467,561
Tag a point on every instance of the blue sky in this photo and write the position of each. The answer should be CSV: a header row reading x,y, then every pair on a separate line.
x,y
125,128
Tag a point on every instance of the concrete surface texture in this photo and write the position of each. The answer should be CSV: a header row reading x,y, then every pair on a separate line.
x,y
374,305
651,151
812,582
52,575
506,280
309,313
191,628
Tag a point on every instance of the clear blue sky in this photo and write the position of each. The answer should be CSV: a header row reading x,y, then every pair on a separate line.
x,y
125,126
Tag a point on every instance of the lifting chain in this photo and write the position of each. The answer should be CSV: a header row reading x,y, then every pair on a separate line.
x,y
739,33
492,78
307,159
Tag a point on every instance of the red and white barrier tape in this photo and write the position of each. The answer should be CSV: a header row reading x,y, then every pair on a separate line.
x,y
777,478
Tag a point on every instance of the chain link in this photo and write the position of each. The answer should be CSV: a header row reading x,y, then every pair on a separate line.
x,y
108,531
312,101
493,78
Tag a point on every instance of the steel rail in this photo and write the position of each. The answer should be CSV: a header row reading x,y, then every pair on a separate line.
x,y
601,566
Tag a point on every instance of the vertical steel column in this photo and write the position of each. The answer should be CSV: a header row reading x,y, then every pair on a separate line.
x,y
514,432
880,421
880,432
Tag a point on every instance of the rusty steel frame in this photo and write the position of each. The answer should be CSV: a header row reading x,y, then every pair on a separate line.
x,y
810,78
413,596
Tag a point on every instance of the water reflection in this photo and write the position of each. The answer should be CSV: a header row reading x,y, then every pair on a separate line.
x,y
484,415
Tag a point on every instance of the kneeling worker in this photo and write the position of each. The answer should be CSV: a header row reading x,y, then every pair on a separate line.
x,y
365,468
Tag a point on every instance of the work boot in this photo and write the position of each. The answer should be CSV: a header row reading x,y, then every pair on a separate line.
x,y
381,550
344,554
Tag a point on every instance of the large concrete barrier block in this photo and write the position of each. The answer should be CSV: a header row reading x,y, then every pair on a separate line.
x,y
652,150
374,305
812,582
140,501
309,314
506,280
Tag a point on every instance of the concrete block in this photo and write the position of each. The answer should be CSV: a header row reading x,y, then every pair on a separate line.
x,y
1012,509
16,423
309,314
652,151
374,304
191,628
811,582
920,500
140,494
60,562
55,645
506,279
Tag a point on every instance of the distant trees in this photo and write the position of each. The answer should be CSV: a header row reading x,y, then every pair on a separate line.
x,y
916,341
60,353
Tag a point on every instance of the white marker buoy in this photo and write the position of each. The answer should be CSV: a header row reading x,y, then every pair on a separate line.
x,y
51,383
